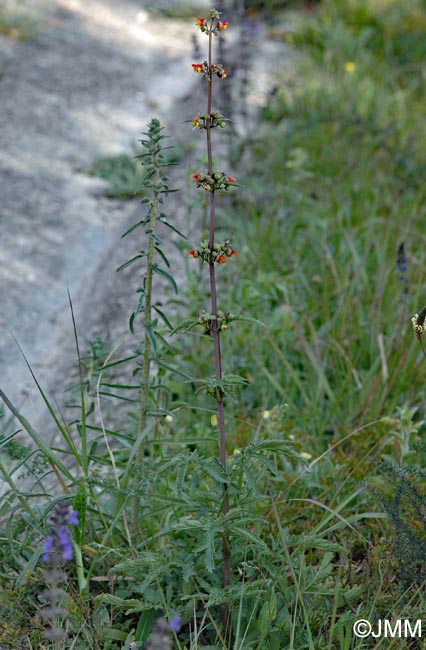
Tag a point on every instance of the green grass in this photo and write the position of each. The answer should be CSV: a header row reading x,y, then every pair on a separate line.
x,y
335,385
17,24
123,174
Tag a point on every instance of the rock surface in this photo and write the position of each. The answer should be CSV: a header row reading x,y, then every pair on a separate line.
x,y
84,87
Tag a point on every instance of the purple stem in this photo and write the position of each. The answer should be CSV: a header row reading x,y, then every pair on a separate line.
x,y
215,329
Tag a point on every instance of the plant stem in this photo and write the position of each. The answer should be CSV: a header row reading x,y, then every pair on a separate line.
x,y
144,399
215,328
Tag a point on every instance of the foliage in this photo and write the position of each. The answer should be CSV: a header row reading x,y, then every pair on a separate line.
x,y
405,505
326,399
122,173
17,23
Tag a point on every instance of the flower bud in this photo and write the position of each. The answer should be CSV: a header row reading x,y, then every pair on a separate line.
x,y
221,259
194,254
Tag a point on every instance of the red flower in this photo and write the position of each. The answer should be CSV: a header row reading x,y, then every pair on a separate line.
x,y
222,74
201,22
196,177
231,179
198,67
193,253
231,253
222,24
196,124
221,259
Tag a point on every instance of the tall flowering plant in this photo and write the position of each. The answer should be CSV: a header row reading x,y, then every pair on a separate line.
x,y
211,252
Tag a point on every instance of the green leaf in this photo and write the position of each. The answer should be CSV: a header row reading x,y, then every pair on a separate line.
x,y
80,504
163,317
209,541
150,332
53,459
162,255
247,319
185,326
122,603
166,275
132,228
144,625
173,369
129,262
169,225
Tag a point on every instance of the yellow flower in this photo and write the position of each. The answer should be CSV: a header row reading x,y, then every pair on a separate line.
x,y
266,415
213,420
305,455
350,67
236,452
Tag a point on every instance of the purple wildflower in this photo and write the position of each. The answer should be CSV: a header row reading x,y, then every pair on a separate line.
x,y
73,518
58,545
176,624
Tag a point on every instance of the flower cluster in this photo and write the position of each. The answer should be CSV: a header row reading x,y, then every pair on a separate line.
x,y
201,67
203,121
219,254
216,25
215,181
58,545
418,322
208,71
222,319
161,635
58,549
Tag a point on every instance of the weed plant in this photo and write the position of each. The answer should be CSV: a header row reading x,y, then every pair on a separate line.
x,y
330,257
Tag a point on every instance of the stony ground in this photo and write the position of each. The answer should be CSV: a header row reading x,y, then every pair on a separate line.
x,y
85,86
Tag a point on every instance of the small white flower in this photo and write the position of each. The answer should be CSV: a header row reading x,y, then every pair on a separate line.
x,y
305,455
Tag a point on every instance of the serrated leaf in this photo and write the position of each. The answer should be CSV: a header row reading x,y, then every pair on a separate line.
x,y
185,326
209,541
122,603
216,471
249,319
